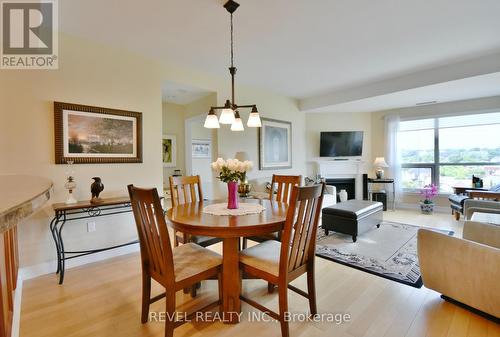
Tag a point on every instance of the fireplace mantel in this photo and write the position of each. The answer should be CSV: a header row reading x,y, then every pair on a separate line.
x,y
337,169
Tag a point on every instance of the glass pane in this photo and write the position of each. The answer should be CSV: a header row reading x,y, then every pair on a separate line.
x,y
451,176
416,146
469,120
419,124
470,144
416,178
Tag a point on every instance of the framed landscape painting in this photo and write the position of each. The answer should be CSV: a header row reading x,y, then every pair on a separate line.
x,y
169,151
275,144
87,134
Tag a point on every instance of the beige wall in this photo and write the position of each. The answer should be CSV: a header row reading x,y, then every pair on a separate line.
x,y
98,75
93,75
173,124
318,122
270,106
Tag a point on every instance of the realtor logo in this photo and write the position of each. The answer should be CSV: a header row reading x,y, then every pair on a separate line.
x,y
29,35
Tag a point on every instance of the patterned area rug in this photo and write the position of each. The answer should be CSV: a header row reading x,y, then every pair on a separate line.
x,y
389,251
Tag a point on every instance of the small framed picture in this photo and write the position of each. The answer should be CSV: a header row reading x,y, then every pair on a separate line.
x,y
169,148
88,134
275,144
201,148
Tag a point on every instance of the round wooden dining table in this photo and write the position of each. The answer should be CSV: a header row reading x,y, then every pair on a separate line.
x,y
189,218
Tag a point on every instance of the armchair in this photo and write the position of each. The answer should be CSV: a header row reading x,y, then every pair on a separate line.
x,y
484,206
457,200
464,270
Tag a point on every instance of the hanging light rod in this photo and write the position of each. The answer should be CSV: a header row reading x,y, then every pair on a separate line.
x,y
230,113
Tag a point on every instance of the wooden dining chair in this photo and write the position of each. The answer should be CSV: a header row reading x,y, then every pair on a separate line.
x,y
281,262
185,189
174,269
281,189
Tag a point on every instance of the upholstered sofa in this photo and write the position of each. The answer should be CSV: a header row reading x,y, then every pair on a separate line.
x,y
465,270
457,200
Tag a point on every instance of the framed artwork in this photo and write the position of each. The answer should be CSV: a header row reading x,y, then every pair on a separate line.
x,y
275,144
87,134
201,148
169,151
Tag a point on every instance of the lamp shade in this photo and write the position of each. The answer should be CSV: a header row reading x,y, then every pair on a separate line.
x,y
211,122
254,120
380,162
241,156
227,116
238,123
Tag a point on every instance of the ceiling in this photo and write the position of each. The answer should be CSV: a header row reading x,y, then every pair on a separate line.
x,y
181,93
299,48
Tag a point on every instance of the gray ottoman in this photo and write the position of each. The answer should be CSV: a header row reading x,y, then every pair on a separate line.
x,y
352,217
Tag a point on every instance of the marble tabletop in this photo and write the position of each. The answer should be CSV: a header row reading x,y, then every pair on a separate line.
x,y
20,196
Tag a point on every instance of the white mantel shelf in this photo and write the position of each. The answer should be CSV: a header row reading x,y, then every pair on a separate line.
x,y
20,197
341,169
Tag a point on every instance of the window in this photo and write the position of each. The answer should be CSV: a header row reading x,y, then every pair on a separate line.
x,y
447,151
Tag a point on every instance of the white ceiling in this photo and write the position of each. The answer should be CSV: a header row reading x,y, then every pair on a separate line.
x,y
181,93
296,47
468,88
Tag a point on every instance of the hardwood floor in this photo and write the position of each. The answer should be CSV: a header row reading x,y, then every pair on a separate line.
x,y
103,299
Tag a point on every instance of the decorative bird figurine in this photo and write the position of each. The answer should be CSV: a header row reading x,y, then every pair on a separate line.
x,y
96,188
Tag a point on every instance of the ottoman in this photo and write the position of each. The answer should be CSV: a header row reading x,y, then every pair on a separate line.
x,y
352,217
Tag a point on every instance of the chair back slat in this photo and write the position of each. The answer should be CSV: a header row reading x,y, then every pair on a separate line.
x,y
183,189
156,251
284,187
299,234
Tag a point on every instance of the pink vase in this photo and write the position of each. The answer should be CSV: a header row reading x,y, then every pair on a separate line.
x,y
232,195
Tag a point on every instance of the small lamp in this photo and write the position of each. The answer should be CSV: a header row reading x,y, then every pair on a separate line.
x,y
380,163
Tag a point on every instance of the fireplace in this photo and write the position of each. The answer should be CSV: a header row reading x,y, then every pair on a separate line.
x,y
348,184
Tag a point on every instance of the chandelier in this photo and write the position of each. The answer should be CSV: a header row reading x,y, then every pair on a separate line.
x,y
230,111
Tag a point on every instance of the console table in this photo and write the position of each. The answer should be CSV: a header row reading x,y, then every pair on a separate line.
x,y
83,210
383,181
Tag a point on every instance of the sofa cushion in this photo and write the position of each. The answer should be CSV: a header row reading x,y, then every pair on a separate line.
x,y
353,209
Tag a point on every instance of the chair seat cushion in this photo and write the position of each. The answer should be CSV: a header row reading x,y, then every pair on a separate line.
x,y
272,236
201,240
458,199
265,256
354,209
191,259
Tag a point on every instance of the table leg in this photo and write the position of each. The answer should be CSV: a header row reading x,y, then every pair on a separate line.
x,y
231,281
394,196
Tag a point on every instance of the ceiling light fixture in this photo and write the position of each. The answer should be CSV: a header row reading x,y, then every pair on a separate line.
x,y
230,113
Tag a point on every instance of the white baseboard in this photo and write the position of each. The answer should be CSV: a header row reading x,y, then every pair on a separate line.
x,y
50,267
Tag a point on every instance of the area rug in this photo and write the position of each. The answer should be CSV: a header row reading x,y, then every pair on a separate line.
x,y
389,251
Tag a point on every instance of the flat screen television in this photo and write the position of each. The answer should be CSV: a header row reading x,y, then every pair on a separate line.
x,y
341,144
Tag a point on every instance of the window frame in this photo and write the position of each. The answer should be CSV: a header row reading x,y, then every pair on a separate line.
x,y
436,165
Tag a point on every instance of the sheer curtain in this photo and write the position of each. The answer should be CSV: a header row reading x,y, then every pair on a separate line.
x,y
393,155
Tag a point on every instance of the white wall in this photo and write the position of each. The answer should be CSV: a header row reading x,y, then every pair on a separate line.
x,y
318,122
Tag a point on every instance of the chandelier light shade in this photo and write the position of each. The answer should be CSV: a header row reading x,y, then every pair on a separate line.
x,y
254,119
238,123
211,122
229,113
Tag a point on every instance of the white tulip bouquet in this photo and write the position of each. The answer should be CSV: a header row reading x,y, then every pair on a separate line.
x,y
231,170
